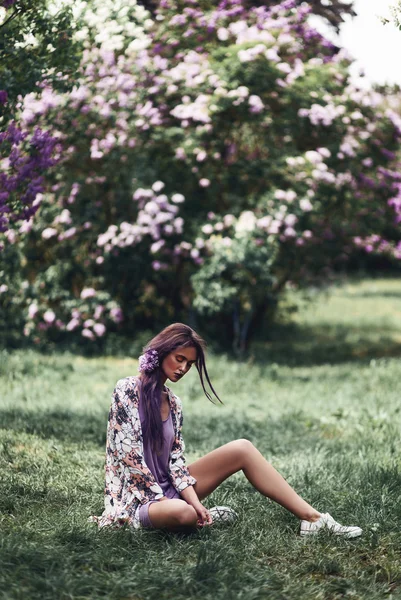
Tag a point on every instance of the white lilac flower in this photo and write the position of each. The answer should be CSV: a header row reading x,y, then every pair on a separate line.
x,y
246,222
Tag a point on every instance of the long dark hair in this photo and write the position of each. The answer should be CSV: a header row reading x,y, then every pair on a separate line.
x,y
174,336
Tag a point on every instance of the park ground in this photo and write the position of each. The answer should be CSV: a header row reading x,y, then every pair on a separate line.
x,y
321,400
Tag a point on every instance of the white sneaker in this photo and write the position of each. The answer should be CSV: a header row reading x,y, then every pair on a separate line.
x,y
223,514
326,522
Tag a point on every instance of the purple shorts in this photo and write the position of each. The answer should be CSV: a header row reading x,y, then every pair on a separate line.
x,y
143,513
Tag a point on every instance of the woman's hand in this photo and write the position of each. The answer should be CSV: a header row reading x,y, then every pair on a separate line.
x,y
190,497
204,517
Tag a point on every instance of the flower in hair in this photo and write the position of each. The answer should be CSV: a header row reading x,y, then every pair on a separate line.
x,y
148,361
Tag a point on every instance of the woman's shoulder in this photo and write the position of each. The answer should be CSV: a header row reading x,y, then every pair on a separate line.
x,y
127,389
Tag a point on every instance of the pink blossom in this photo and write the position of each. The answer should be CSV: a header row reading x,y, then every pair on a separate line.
x,y
177,198
49,232
73,324
264,222
180,153
116,315
32,310
70,233
367,162
99,310
223,34
3,288
325,152
88,293
290,220
156,246
87,333
99,329
255,103
157,186
26,226
271,54
290,232
64,217
305,205
204,182
207,229
49,317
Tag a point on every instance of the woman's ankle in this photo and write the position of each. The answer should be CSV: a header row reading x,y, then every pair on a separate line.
x,y
311,515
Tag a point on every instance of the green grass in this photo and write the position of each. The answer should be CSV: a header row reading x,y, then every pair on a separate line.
x,y
321,400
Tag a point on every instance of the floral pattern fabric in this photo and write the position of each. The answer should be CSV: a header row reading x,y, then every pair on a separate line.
x,y
129,483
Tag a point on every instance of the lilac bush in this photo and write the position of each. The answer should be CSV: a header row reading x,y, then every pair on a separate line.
x,y
211,155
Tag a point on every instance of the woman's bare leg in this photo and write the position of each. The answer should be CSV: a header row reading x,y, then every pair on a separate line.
x,y
215,467
172,514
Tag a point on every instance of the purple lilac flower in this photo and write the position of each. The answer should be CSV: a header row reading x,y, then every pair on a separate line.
x,y
24,179
149,361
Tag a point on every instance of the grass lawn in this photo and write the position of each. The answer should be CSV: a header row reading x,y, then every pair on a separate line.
x,y
321,400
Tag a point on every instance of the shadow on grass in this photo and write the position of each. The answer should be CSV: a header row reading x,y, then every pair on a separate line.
x,y
294,346
64,425
275,435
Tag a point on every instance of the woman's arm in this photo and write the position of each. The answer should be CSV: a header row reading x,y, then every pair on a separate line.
x,y
178,471
191,497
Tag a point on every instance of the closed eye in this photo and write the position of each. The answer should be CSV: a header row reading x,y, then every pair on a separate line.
x,y
182,358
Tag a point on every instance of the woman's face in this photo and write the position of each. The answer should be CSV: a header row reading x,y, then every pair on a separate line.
x,y
178,362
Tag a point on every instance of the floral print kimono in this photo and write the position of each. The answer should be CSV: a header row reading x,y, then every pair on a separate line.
x,y
129,482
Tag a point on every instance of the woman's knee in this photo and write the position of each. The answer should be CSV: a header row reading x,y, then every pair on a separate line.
x,y
243,448
186,515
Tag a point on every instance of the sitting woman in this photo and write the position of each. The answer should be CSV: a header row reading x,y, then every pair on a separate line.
x,y
147,481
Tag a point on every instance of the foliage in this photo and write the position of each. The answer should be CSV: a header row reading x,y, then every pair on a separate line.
x,y
36,41
181,131
36,46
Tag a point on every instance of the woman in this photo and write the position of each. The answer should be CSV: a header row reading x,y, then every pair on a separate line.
x,y
147,481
